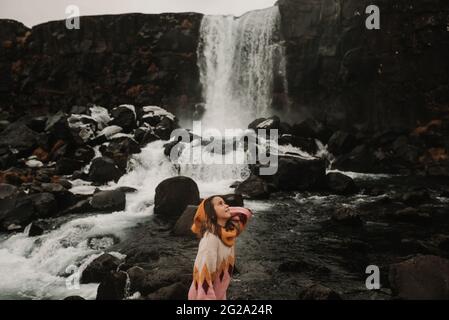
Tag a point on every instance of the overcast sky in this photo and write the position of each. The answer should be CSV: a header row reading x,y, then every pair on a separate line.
x,y
32,12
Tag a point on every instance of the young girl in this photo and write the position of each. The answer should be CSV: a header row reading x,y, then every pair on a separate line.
x,y
218,225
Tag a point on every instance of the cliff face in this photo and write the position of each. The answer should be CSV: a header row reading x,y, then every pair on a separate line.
x,y
338,71
351,77
132,58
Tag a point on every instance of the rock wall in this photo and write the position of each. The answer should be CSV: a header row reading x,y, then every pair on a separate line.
x,y
353,78
138,59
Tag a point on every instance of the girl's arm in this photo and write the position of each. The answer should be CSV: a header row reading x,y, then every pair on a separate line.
x,y
240,216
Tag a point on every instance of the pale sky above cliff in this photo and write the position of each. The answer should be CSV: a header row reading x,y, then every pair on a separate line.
x,y
31,12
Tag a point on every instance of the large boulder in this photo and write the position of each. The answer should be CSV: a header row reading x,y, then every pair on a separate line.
x,y
253,188
20,137
184,223
108,201
103,170
173,195
16,213
45,204
341,142
99,268
422,277
113,286
298,174
340,184
7,191
124,116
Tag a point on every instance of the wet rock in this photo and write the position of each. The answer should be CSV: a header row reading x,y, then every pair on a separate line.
x,y
305,144
137,277
103,170
82,128
112,287
125,189
99,268
64,198
298,266
109,201
341,142
45,204
410,214
125,117
38,124
164,128
413,198
66,166
253,125
360,159
185,221
7,191
173,195
57,126
340,184
16,213
295,173
84,154
347,216
313,129
82,206
319,292
269,123
422,278
253,188
176,291
33,230
145,136
74,298
19,136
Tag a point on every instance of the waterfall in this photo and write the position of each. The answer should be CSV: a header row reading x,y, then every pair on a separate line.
x,y
241,61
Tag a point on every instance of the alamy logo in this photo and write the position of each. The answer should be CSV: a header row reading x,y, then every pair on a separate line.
x,y
73,19
373,280
236,146
373,20
72,282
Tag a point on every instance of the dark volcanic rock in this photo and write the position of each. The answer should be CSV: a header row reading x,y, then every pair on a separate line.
x,y
103,170
66,166
295,173
19,136
173,195
422,277
109,201
253,188
112,287
124,117
143,59
318,292
341,142
342,74
7,191
185,221
340,183
175,291
99,268
33,230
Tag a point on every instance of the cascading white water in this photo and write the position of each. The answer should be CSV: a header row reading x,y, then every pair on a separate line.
x,y
239,59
